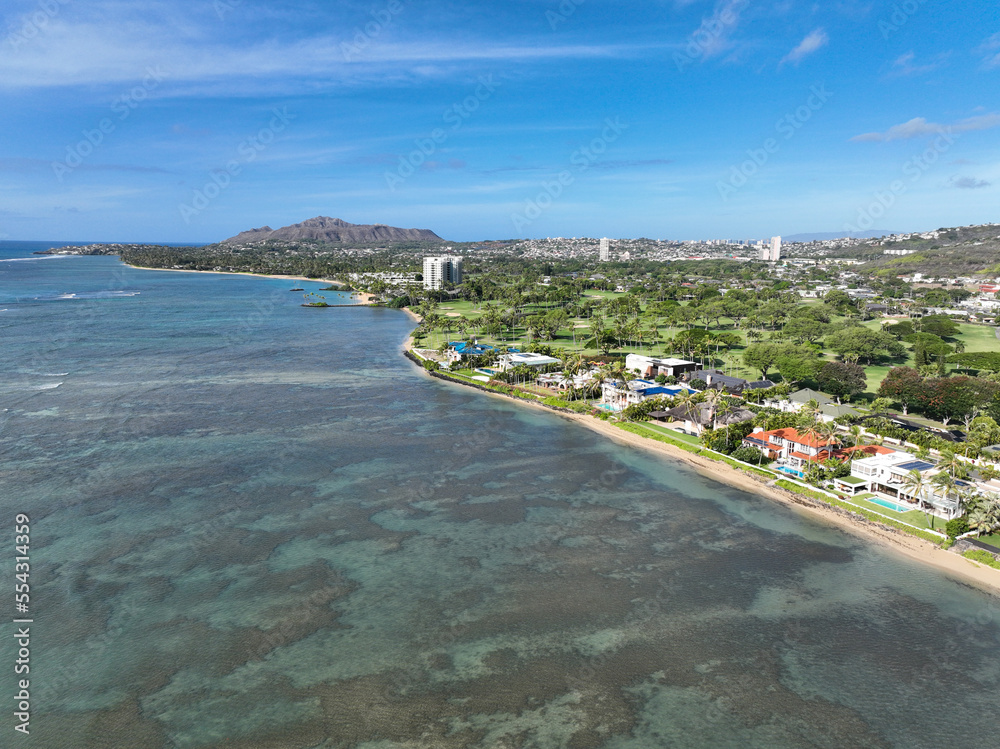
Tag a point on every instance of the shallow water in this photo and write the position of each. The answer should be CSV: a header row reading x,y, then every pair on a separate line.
x,y
258,522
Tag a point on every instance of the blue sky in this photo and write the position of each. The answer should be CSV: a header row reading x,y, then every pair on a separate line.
x,y
683,119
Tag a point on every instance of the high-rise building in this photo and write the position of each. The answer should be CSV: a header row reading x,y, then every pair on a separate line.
x,y
605,250
441,270
770,251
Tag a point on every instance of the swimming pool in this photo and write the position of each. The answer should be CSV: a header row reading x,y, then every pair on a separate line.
x,y
791,471
889,504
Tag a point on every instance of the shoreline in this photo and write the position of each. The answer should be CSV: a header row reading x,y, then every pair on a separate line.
x,y
365,297
986,579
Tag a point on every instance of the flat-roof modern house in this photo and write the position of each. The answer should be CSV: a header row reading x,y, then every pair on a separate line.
x,y
889,475
525,359
649,366
621,395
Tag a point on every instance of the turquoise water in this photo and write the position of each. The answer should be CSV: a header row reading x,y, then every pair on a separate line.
x,y
890,505
790,471
258,525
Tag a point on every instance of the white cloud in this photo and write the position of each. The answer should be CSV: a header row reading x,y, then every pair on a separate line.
x,y
990,49
75,53
905,65
814,41
919,126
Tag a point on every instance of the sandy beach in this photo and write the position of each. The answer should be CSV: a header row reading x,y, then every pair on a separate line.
x,y
965,570
363,297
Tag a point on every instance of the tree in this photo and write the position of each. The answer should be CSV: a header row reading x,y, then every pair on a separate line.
x,y
927,348
903,384
841,379
939,325
796,363
948,398
985,517
839,301
762,357
858,344
804,329
915,484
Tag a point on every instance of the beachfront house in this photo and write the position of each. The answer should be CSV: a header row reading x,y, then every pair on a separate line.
x,y
458,350
526,359
560,381
790,448
892,475
694,418
620,395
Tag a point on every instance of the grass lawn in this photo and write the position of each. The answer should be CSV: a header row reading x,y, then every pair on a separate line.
x,y
680,436
992,540
913,517
978,337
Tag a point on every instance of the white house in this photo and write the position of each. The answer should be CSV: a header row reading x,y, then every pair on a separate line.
x,y
525,359
650,366
888,475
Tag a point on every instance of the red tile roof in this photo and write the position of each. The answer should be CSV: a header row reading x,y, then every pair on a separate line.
x,y
852,453
804,456
792,435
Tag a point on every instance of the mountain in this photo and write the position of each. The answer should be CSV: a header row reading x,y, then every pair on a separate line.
x,y
325,229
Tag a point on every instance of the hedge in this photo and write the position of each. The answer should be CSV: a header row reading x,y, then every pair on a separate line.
x,y
982,556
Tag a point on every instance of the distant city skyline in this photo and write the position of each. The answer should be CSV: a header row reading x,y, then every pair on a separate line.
x,y
160,121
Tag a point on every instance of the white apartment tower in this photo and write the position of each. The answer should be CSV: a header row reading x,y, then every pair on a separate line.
x,y
605,250
772,251
441,270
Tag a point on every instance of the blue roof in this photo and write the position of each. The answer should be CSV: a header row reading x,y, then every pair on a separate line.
x,y
657,391
467,348
920,465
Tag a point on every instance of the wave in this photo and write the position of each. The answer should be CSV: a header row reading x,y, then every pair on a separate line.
x,y
29,259
84,295
29,388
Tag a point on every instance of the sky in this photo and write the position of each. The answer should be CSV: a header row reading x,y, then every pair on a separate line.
x,y
191,121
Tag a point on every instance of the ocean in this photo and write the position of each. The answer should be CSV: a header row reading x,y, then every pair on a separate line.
x,y
254,524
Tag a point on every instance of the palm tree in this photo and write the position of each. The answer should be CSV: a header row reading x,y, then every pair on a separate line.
x,y
946,483
712,398
857,435
915,484
985,519
955,466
